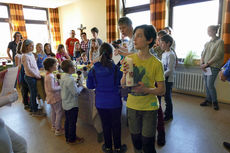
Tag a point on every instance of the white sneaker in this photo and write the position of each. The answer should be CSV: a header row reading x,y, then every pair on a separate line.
x,y
53,129
59,132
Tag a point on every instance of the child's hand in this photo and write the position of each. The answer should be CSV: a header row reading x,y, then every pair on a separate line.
x,y
140,88
125,67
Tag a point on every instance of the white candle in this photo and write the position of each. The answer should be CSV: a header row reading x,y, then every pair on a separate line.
x,y
129,76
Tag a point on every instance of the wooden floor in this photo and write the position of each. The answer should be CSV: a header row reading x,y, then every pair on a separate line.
x,y
194,129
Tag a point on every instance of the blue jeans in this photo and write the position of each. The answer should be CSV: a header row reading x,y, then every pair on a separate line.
x,y
209,85
168,99
32,83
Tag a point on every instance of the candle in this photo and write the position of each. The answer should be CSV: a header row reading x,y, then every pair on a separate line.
x,y
129,76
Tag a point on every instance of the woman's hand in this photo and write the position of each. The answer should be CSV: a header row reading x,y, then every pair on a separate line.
x,y
203,67
141,88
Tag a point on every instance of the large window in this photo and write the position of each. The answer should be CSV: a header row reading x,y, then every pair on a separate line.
x,y
138,11
36,25
190,24
4,30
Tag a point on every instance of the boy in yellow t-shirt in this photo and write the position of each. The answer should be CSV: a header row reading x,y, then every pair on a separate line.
x,y
142,103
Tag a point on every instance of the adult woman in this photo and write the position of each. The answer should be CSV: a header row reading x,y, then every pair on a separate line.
x,y
142,103
105,78
212,57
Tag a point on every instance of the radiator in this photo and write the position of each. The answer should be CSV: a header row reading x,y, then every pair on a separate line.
x,y
189,82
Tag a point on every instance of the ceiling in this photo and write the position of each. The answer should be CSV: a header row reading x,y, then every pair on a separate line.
x,y
40,3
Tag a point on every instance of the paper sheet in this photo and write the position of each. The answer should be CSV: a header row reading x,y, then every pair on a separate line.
x,y
9,81
208,71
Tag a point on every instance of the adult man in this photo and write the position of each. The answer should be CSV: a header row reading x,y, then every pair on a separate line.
x,y
70,43
126,29
13,45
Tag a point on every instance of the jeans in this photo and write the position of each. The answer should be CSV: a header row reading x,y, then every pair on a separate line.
x,y
111,124
25,92
209,85
32,83
168,99
70,124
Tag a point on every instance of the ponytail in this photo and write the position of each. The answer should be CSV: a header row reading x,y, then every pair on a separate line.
x,y
105,53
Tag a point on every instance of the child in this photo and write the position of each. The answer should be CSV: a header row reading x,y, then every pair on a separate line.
x,y
84,59
53,92
94,53
41,56
169,62
61,54
69,95
142,103
108,76
22,83
48,50
77,50
31,75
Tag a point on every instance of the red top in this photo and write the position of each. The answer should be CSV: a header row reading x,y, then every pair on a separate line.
x,y
70,45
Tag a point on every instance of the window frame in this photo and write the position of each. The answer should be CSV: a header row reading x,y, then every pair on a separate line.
x,y
171,5
29,21
134,9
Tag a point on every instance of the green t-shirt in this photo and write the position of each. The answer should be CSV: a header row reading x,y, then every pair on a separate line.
x,y
147,71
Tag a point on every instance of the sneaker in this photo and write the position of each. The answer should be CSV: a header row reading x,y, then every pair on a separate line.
x,y
106,150
53,129
122,149
168,118
226,145
59,132
38,114
77,141
216,106
161,138
100,137
206,103
26,107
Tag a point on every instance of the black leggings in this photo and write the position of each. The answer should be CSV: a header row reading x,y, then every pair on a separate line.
x,y
111,124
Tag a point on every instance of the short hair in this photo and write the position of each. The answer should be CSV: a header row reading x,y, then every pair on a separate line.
x,y
83,33
167,39
66,64
149,32
94,29
48,63
162,33
125,20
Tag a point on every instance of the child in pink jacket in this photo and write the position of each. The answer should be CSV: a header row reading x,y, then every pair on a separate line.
x,y
53,92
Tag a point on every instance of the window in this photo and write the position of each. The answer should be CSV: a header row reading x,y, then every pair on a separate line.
x,y
190,23
137,18
4,30
138,11
3,12
36,25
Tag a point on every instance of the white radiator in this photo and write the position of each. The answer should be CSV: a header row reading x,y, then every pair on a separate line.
x,y
189,82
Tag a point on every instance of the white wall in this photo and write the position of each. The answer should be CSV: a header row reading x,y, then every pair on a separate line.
x,y
90,13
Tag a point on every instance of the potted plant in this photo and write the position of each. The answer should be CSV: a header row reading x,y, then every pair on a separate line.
x,y
190,59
